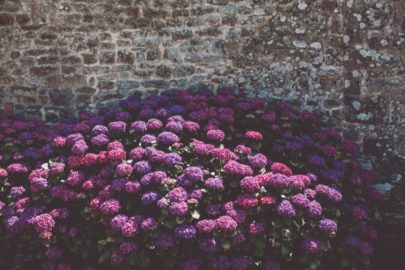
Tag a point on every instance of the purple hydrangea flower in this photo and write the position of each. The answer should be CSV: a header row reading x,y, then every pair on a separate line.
x,y
100,140
311,245
56,168
185,232
235,168
278,180
150,197
316,160
118,222
137,153
16,192
155,155
165,241
148,139
250,184
117,126
258,161
149,224
172,159
38,183
216,135
174,126
327,226
226,224
110,207
242,149
214,183
256,228
142,167
314,209
138,127
178,208
75,178
168,138
328,192
123,170
206,225
194,173
286,209
208,245
154,124
99,129
300,200
177,194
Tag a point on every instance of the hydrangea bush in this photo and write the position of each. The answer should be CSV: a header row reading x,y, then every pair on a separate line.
x,y
187,181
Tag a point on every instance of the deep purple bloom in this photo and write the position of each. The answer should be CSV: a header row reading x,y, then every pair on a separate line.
x,y
142,167
99,129
174,126
314,209
328,226
168,138
214,183
316,160
328,192
172,159
138,127
148,139
300,200
286,209
185,232
194,173
150,197
311,245
100,140
258,161
165,241
208,245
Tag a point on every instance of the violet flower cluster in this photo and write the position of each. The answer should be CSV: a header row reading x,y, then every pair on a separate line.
x,y
184,180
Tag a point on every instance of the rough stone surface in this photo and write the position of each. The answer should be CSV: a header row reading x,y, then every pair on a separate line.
x,y
344,58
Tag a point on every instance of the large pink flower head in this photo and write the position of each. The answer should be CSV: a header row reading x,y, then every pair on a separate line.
x,y
254,135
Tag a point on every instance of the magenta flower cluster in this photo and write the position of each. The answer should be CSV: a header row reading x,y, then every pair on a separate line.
x,y
184,180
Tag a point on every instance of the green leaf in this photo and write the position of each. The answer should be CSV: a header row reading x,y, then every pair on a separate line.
x,y
226,244
284,250
180,220
104,256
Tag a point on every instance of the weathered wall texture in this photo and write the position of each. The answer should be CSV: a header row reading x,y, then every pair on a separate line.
x,y
343,57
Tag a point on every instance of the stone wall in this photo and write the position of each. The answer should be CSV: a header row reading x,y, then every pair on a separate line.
x,y
342,57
